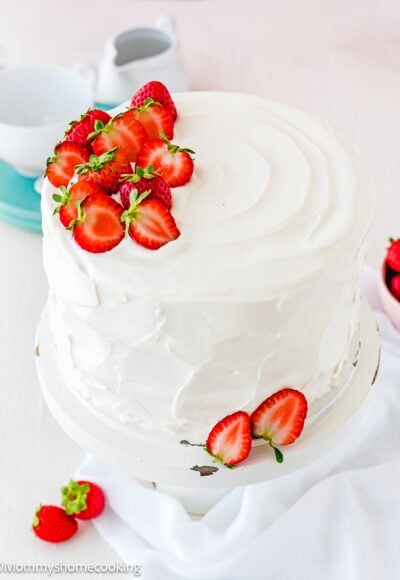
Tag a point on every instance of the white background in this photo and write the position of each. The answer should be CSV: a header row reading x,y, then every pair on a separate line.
x,y
339,59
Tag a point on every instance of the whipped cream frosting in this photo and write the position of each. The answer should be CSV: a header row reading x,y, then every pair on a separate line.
x,y
261,289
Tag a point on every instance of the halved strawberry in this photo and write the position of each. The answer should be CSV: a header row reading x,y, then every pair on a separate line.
x,y
123,131
156,91
155,119
145,180
79,130
98,227
68,199
280,418
105,170
174,164
149,222
230,439
61,167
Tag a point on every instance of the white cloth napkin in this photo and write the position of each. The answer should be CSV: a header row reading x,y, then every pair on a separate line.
x,y
338,519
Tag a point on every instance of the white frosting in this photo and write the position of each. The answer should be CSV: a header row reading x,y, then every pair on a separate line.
x,y
259,291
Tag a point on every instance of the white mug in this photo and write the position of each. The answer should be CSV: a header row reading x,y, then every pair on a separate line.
x,y
136,56
37,104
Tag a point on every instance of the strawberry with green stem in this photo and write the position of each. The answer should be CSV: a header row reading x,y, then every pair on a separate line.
x,y
98,227
158,92
61,165
172,162
148,222
52,524
280,419
83,499
67,200
79,130
155,119
123,131
145,179
105,170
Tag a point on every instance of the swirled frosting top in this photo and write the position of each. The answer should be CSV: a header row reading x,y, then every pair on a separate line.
x,y
276,196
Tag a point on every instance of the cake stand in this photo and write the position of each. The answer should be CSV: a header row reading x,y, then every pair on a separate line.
x,y
183,468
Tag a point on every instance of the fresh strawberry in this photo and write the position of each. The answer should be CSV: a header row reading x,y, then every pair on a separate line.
x,y
68,199
280,418
52,524
61,167
156,91
149,222
83,499
145,180
123,131
229,440
155,119
395,286
393,255
79,130
105,170
98,227
174,164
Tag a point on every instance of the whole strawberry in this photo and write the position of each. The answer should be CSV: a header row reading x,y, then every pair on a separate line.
x,y
145,180
393,255
79,130
83,499
52,524
395,286
158,92
105,170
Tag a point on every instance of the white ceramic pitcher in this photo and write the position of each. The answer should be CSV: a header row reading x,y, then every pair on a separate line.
x,y
139,55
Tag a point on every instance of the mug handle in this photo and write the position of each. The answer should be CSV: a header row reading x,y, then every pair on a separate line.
x,y
166,22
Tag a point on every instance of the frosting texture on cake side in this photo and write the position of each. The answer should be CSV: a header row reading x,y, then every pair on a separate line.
x,y
260,291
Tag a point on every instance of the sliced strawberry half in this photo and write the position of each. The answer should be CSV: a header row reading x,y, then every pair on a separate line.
x,y
145,180
155,119
79,130
280,418
123,131
158,92
229,440
149,222
61,166
98,227
67,201
174,164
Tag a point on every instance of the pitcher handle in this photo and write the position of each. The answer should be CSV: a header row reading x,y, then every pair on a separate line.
x,y
166,22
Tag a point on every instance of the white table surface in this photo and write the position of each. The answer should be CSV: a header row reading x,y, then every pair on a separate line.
x,y
338,59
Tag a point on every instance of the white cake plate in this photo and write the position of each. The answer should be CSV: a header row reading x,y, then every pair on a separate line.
x,y
186,470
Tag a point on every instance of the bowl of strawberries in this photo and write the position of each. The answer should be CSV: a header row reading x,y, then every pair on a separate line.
x,y
389,282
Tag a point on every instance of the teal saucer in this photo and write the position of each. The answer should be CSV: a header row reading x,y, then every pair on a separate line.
x,y
19,202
